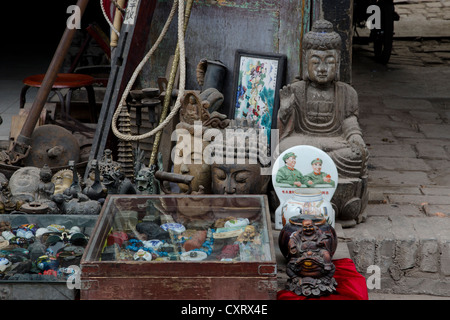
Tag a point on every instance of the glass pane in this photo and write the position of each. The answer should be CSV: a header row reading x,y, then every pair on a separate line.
x,y
186,228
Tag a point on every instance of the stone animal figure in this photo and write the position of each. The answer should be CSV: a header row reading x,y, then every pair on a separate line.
x,y
82,205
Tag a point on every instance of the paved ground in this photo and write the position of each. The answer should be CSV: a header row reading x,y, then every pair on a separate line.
x,y
404,113
426,18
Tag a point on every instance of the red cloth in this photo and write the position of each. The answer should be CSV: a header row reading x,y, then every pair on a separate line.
x,y
351,284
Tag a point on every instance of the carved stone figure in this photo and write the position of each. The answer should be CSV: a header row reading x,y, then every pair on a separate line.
x,y
310,268
144,181
107,163
190,161
62,180
189,150
24,183
7,202
116,183
75,188
193,109
45,191
96,190
46,187
68,204
243,178
321,111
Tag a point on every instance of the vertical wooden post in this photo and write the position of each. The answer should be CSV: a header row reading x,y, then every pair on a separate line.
x,y
305,27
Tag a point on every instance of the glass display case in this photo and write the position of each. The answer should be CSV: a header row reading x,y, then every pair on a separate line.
x,y
181,247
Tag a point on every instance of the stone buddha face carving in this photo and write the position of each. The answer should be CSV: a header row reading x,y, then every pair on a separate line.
x,y
238,179
62,180
24,182
322,53
322,65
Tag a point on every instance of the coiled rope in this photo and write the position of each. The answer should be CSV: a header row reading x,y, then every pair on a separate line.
x,y
180,52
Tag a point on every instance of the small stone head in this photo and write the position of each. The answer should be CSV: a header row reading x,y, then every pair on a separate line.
x,y
143,179
45,174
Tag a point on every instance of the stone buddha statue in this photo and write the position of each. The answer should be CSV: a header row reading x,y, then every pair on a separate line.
x,y
321,111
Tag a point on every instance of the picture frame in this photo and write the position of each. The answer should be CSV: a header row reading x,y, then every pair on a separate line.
x,y
257,80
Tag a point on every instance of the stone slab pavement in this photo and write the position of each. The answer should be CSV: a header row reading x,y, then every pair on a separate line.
x,y
404,115
422,18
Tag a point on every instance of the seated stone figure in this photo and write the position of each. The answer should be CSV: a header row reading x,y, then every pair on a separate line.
x,y
321,111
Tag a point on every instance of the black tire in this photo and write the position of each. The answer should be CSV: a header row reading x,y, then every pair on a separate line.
x,y
383,38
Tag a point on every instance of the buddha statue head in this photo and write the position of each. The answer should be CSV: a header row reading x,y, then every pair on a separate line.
x,y
241,175
62,180
321,53
238,178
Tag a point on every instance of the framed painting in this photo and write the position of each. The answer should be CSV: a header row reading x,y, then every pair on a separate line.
x,y
258,78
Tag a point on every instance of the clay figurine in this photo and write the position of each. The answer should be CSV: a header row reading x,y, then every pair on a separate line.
x,y
249,235
46,187
97,190
310,268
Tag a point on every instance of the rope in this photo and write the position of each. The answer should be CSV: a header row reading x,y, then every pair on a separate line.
x,y
177,106
107,19
170,85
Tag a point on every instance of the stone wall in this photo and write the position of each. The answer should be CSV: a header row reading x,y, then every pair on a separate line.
x,y
410,262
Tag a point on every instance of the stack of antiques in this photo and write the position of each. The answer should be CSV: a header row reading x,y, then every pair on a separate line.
x,y
40,252
204,230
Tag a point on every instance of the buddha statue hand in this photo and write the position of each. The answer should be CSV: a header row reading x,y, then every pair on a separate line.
x,y
358,145
287,102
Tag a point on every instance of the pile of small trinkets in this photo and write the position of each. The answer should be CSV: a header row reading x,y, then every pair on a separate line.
x,y
30,252
229,239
